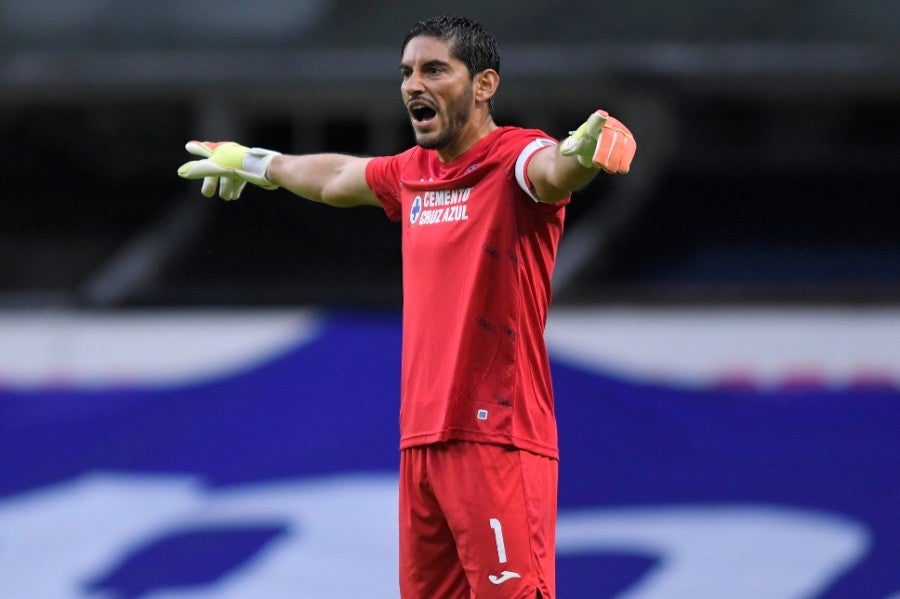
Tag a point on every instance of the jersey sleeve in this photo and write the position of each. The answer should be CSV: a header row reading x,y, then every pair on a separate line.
x,y
524,159
383,178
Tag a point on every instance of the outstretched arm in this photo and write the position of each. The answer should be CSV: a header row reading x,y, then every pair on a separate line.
x,y
600,143
334,179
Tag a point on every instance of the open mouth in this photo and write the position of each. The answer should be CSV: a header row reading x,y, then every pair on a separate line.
x,y
421,112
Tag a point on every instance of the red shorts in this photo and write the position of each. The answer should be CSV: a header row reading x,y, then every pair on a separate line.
x,y
476,521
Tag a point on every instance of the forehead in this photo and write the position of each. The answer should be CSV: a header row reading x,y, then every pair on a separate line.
x,y
424,48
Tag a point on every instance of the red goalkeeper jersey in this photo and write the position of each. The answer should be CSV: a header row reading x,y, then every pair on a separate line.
x,y
478,252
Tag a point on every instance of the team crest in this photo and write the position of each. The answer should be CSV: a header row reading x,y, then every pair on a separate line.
x,y
415,210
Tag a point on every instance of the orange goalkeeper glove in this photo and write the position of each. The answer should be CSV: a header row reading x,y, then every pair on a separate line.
x,y
228,166
601,142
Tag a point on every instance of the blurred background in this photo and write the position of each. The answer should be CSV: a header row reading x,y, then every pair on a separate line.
x,y
725,331
770,136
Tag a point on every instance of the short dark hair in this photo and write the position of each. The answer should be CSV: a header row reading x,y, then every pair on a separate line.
x,y
468,41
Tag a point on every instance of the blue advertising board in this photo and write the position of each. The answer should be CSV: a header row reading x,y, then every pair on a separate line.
x,y
236,454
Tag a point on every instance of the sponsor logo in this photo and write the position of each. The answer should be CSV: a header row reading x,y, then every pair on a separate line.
x,y
504,576
440,206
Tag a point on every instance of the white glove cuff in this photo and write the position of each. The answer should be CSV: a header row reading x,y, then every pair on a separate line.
x,y
257,160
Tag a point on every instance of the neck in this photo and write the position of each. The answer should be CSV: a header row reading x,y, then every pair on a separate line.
x,y
475,130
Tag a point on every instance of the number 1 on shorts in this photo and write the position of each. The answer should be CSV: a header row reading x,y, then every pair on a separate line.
x,y
498,537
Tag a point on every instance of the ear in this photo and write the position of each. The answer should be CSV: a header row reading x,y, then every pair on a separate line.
x,y
485,85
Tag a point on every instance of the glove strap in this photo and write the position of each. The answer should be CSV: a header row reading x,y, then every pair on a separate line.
x,y
257,161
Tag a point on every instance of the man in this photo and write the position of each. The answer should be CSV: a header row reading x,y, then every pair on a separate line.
x,y
481,209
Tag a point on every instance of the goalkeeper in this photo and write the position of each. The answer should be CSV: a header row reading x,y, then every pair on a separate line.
x,y
482,210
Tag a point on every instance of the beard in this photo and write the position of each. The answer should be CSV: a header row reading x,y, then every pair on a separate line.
x,y
457,115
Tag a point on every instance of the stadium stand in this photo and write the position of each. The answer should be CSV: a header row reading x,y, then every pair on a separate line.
x,y
790,125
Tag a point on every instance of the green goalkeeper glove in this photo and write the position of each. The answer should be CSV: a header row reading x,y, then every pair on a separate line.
x,y
228,166
601,142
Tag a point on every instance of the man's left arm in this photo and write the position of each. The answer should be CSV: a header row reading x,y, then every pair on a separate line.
x,y
600,143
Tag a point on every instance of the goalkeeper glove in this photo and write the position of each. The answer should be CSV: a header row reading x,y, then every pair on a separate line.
x,y
228,166
601,142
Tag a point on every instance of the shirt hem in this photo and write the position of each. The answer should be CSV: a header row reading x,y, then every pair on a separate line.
x,y
478,437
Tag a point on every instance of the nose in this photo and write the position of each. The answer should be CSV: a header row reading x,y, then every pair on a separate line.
x,y
412,85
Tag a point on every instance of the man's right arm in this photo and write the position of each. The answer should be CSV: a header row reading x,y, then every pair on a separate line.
x,y
334,179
